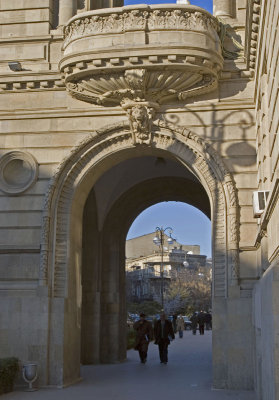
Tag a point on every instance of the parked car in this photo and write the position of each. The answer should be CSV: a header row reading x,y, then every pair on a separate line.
x,y
133,317
187,323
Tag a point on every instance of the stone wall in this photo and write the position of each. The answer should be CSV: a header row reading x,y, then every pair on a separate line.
x,y
266,291
41,124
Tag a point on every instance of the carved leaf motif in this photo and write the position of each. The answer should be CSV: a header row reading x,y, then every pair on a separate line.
x,y
95,25
135,20
200,20
232,194
113,23
184,20
156,20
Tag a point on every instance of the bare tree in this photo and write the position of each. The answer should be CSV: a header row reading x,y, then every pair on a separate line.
x,y
189,292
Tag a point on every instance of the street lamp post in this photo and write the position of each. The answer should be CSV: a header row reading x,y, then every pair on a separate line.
x,y
159,240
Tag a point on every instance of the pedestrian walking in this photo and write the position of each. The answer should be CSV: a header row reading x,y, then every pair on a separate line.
x,y
174,323
180,326
144,335
201,322
163,332
194,320
208,321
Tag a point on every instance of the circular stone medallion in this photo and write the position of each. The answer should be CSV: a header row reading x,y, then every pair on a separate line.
x,y
18,171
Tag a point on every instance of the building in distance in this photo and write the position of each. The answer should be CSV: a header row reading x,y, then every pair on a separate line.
x,y
145,262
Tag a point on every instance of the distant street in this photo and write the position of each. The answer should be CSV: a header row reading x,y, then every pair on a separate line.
x,y
187,375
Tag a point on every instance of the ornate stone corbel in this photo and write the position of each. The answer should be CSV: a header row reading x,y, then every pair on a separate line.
x,y
140,116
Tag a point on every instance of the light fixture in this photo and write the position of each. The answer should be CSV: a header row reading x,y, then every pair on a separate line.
x,y
156,240
170,240
159,240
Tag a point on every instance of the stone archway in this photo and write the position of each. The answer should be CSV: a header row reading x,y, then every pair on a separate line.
x,y
61,245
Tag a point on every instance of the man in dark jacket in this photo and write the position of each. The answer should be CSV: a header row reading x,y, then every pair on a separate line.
x,y
201,322
208,320
144,335
163,331
194,320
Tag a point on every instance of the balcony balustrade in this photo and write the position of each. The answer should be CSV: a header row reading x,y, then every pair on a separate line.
x,y
141,55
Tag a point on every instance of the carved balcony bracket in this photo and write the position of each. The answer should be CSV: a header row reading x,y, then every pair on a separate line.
x,y
141,57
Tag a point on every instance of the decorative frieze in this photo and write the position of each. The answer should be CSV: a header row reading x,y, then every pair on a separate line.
x,y
146,19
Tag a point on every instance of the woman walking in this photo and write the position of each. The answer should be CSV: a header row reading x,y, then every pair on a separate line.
x,y
180,326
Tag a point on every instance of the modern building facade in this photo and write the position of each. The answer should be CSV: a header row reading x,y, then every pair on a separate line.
x,y
104,112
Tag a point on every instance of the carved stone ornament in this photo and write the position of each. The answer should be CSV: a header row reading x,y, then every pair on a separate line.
x,y
142,18
18,171
134,84
140,118
234,267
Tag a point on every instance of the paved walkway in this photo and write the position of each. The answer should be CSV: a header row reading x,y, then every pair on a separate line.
x,y
187,375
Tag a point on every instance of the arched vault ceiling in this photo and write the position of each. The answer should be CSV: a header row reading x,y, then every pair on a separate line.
x,y
150,192
133,185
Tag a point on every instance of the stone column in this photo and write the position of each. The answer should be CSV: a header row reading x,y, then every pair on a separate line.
x,y
223,8
67,9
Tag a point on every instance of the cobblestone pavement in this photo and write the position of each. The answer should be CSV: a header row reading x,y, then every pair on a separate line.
x,y
188,374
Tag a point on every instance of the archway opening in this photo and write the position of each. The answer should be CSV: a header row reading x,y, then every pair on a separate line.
x,y
173,274
117,198
98,193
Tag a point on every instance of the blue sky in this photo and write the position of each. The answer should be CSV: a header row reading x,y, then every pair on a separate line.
x,y
190,226
207,4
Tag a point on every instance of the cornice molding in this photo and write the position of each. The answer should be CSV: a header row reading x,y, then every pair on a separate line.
x,y
252,31
19,82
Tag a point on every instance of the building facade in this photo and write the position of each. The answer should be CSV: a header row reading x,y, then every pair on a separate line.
x,y
145,272
104,112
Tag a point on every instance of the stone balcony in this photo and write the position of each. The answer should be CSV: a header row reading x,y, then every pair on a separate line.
x,y
147,55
